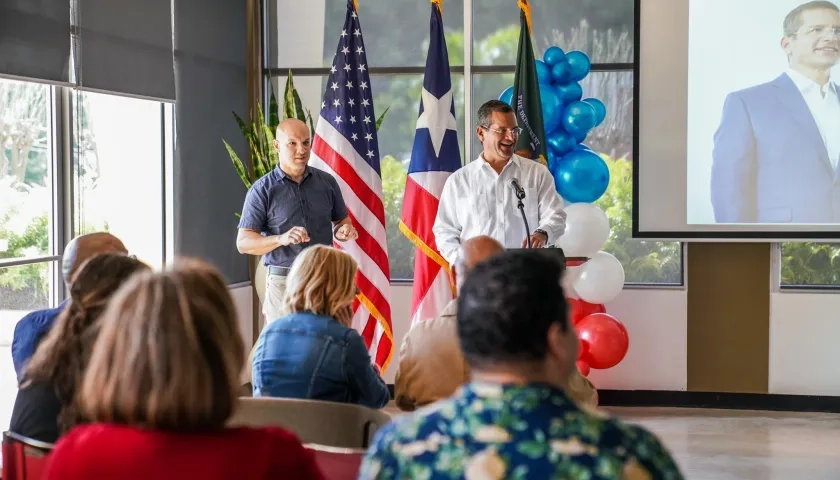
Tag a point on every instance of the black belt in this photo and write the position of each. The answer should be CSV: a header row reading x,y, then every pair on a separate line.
x,y
275,270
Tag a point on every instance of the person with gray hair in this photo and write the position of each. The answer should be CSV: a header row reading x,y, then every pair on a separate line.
x,y
481,198
431,365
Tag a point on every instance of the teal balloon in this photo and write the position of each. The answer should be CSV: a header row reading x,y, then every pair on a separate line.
x,y
578,118
569,92
600,109
579,65
552,107
560,72
543,72
552,160
553,56
507,96
581,176
560,141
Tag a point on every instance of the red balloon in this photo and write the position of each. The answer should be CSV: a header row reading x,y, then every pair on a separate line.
x,y
606,338
578,309
583,348
583,367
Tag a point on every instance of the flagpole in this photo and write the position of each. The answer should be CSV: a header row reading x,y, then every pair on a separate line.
x,y
468,40
525,6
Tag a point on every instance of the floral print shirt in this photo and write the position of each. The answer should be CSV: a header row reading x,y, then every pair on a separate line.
x,y
492,431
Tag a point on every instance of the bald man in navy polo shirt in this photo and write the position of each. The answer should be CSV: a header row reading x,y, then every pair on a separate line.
x,y
292,207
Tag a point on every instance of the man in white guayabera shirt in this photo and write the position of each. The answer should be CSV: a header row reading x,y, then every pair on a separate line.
x,y
480,199
776,151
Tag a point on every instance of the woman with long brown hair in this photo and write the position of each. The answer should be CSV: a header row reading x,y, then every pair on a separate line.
x,y
313,352
45,406
161,384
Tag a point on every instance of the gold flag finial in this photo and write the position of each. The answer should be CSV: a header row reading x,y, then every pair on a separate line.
x,y
356,5
525,6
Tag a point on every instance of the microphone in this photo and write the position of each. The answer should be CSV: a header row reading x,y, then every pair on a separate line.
x,y
520,193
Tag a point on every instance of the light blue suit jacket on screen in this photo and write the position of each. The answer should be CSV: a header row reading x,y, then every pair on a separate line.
x,y
770,164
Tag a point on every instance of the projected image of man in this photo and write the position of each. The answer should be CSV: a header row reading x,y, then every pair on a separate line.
x,y
777,148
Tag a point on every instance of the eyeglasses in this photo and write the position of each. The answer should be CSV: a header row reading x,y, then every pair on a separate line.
x,y
819,31
516,131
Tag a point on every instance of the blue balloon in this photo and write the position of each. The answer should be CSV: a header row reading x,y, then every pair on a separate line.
x,y
580,137
552,160
560,72
600,109
552,108
507,96
581,176
560,142
579,65
543,72
570,92
584,147
578,118
553,56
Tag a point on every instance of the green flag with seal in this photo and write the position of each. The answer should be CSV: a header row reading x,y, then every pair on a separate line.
x,y
526,94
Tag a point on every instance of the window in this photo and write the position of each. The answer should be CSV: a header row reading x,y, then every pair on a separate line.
x,y
810,265
393,34
118,169
27,217
603,29
115,181
23,289
26,171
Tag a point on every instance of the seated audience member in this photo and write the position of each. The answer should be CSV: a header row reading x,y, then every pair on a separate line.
x,y
32,328
160,386
431,365
514,420
313,352
45,406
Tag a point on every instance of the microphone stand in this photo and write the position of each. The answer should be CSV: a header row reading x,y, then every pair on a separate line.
x,y
520,195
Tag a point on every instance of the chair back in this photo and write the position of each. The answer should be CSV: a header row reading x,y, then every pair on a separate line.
x,y
23,458
331,424
337,463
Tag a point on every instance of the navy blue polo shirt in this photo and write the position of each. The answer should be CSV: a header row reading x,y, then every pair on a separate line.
x,y
276,203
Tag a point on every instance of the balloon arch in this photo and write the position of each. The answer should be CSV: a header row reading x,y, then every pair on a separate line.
x,y
581,177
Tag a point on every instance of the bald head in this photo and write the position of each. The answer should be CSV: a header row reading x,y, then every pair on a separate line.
x,y
84,247
293,145
293,127
474,251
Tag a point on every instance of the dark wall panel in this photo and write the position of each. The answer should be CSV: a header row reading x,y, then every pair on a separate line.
x,y
210,79
728,317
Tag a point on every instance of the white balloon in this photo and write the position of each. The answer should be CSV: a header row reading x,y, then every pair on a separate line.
x,y
601,279
587,230
569,277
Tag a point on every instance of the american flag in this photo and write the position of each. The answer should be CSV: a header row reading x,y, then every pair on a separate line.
x,y
345,145
436,154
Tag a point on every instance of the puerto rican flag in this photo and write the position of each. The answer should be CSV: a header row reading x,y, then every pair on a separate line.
x,y
435,155
346,146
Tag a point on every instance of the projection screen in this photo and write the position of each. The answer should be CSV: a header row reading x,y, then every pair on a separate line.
x,y
737,128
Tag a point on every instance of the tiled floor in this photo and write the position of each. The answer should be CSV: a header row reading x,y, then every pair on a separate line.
x,y
743,445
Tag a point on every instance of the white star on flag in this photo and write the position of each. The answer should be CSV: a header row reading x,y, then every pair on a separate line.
x,y
437,117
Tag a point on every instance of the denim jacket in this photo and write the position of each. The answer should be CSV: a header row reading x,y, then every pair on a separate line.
x,y
303,355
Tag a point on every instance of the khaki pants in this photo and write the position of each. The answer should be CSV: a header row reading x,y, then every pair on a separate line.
x,y
275,290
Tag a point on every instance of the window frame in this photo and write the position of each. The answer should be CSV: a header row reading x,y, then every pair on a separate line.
x,y
467,70
63,227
